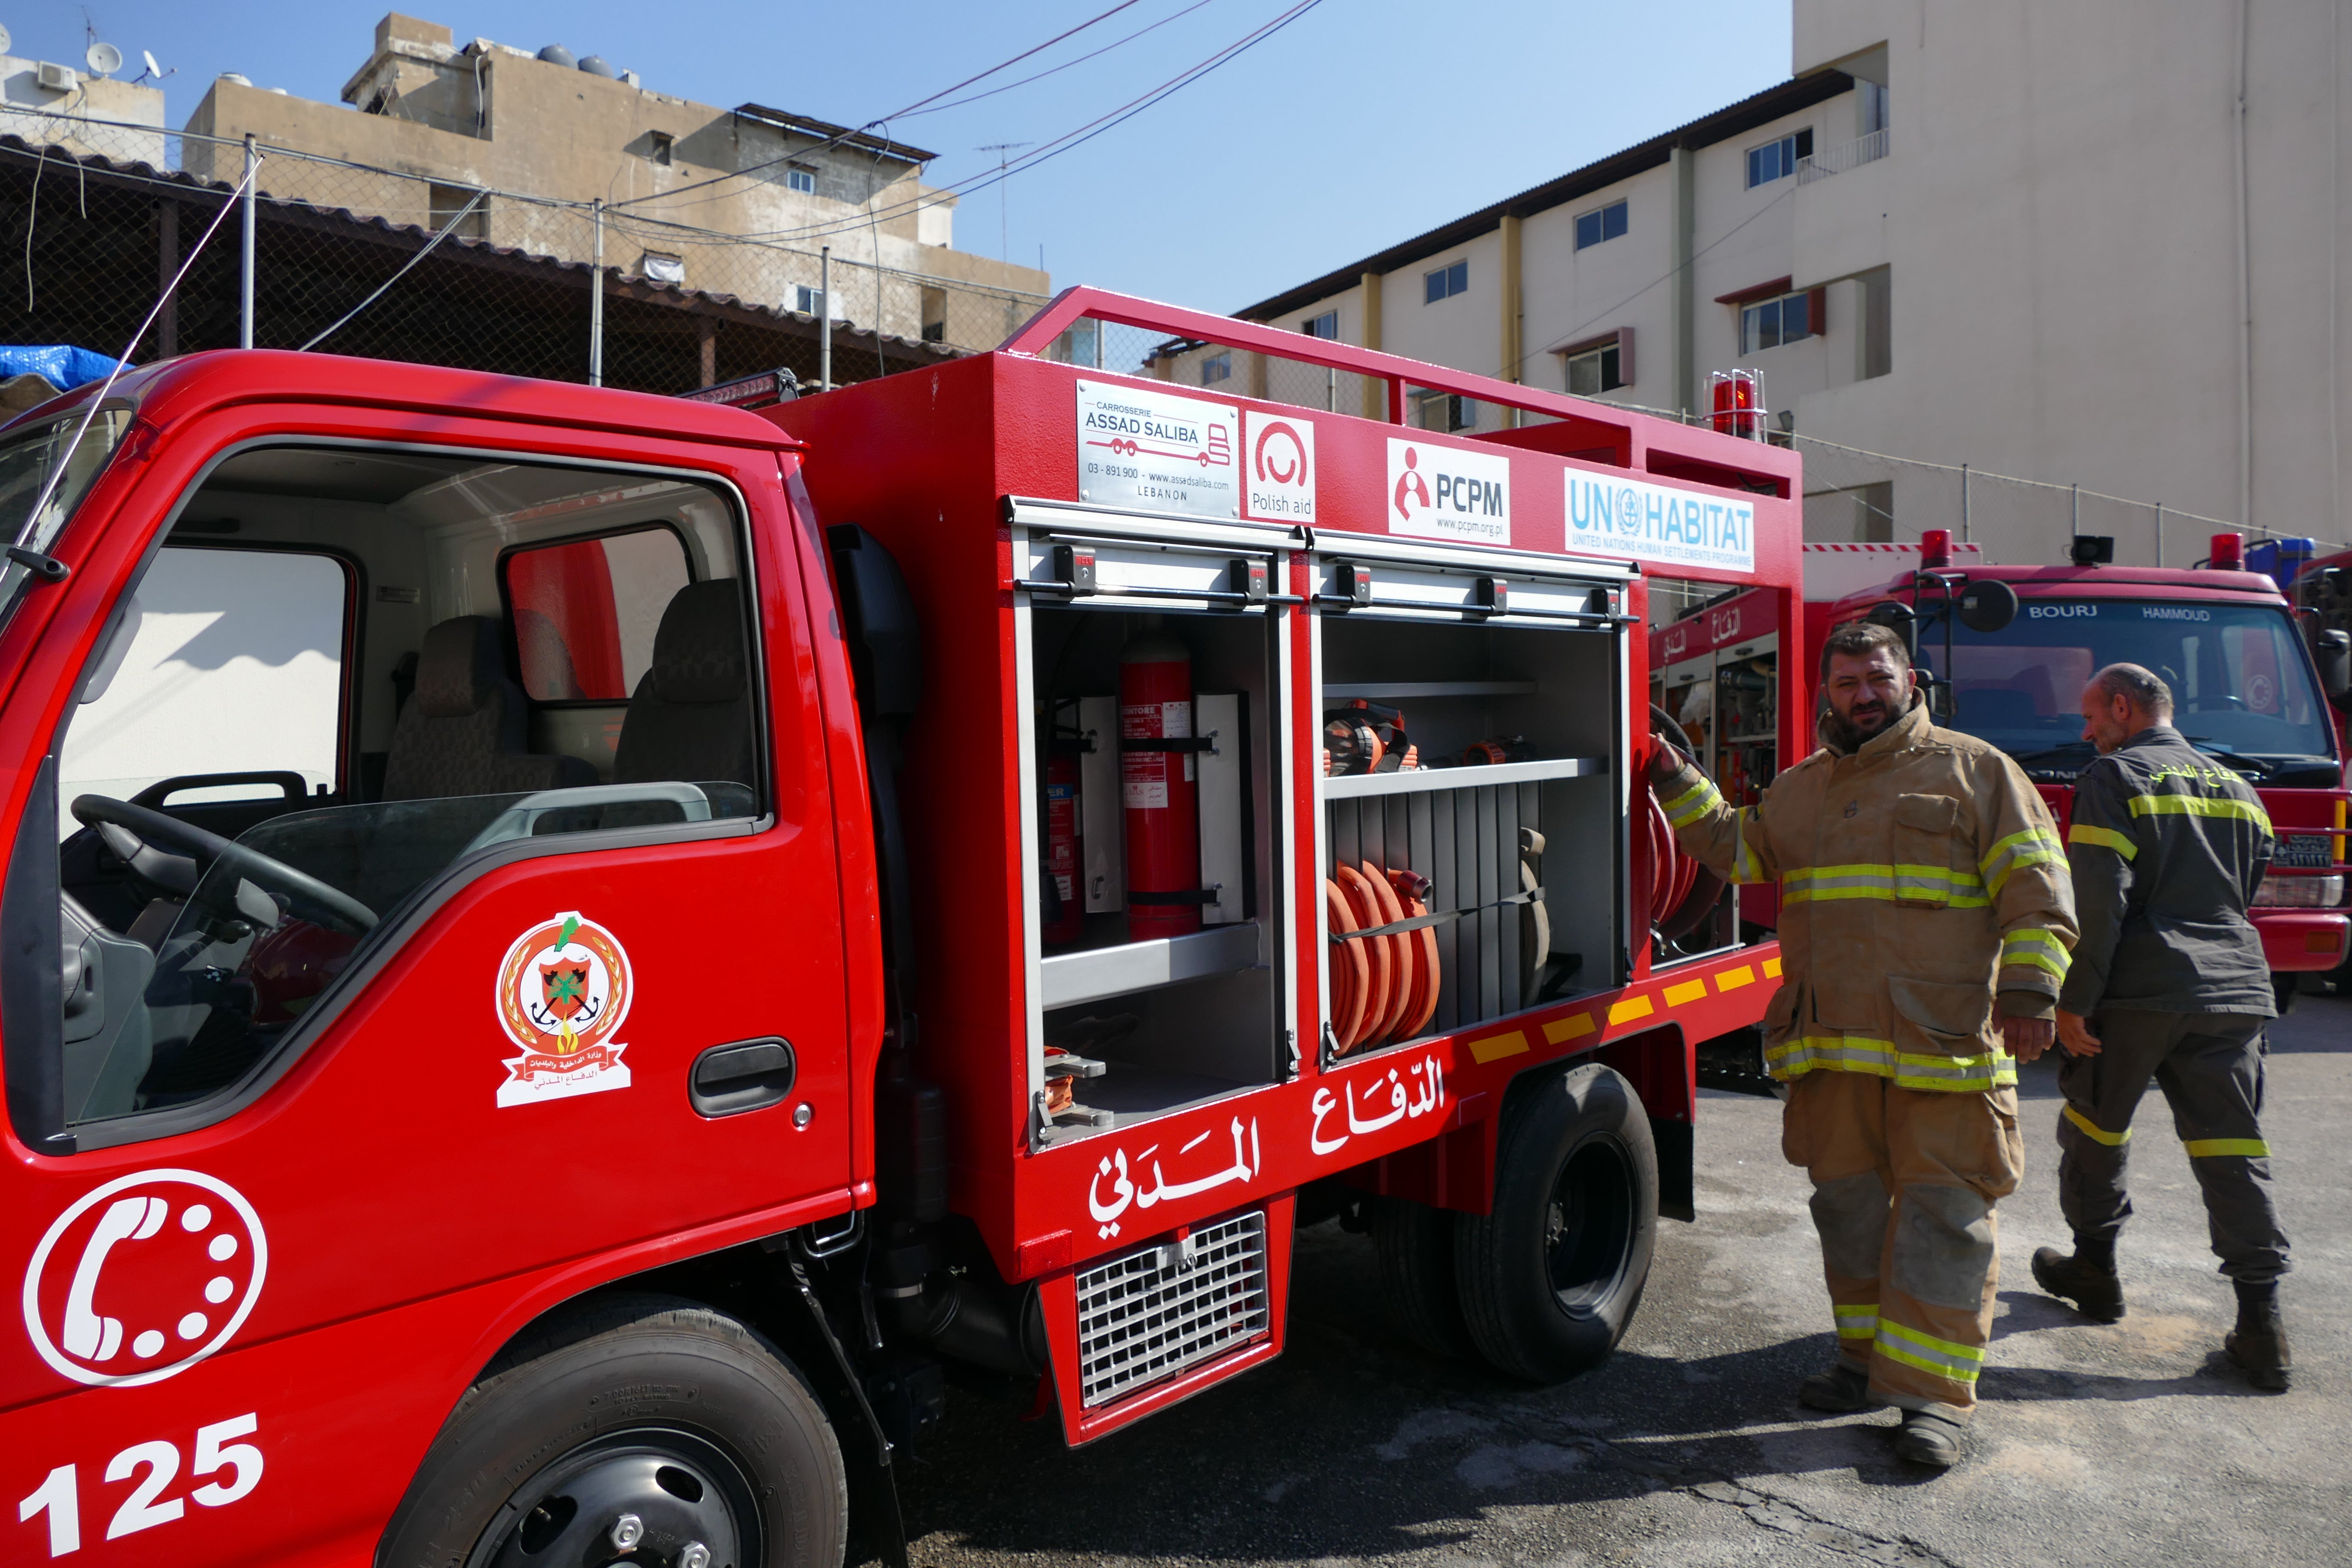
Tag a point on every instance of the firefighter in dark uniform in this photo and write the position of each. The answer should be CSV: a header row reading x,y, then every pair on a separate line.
x,y
2168,982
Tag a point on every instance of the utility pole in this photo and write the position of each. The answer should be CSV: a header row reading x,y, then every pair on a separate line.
x,y
244,254
824,318
596,297
1003,151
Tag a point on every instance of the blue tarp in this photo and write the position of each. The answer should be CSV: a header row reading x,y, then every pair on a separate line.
x,y
62,365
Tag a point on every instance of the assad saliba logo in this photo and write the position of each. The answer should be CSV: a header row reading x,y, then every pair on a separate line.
x,y
564,989
1278,467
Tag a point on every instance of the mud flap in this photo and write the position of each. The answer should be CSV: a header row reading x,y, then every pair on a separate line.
x,y
865,1452
1677,1162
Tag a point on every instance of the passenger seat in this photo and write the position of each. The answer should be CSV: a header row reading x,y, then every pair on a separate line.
x,y
690,716
463,730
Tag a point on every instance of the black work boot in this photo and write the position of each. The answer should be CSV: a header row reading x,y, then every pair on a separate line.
x,y
2087,1277
2258,1344
1930,1437
1841,1390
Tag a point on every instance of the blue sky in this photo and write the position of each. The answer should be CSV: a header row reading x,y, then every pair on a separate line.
x,y
1357,124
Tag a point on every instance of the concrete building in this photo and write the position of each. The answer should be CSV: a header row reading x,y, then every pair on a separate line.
x,y
2102,244
451,122
33,92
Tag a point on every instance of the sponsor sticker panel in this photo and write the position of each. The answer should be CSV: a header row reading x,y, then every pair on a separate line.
x,y
1611,516
1158,452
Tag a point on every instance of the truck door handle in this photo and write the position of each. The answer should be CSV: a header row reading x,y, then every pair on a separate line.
x,y
744,1076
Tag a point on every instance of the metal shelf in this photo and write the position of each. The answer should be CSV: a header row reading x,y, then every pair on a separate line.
x,y
1064,979
1403,690
1362,787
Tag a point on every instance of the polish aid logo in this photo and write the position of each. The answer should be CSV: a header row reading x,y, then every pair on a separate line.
x,y
563,990
1439,492
143,1277
1279,478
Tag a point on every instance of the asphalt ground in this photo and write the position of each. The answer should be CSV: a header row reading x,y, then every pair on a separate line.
x,y
2132,1442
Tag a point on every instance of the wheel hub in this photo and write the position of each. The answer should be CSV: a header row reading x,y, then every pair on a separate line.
x,y
665,1499
1589,1227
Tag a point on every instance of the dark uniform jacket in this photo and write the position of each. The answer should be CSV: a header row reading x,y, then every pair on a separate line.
x,y
2167,846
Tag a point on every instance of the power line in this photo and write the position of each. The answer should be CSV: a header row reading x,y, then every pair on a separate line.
x,y
900,114
1066,65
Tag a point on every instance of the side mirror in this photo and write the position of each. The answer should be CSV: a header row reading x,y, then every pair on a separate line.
x,y
2333,650
1899,618
1987,606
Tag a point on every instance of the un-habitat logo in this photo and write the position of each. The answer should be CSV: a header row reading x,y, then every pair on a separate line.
x,y
1612,516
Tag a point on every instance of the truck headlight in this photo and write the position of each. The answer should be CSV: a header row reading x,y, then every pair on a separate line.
x,y
2301,892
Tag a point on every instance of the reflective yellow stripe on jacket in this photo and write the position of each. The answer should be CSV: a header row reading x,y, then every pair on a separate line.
x,y
2200,805
1793,1059
1692,803
2031,848
1928,884
2037,948
2105,838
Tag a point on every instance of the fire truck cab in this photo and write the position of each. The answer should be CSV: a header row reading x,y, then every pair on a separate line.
x,y
2008,650
565,952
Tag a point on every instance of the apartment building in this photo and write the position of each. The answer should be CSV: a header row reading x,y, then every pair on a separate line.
x,y
2102,244
471,131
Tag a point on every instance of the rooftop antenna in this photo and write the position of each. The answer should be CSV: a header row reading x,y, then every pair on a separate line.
x,y
1003,151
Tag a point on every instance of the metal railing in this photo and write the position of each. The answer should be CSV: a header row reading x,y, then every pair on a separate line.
x,y
673,306
1838,160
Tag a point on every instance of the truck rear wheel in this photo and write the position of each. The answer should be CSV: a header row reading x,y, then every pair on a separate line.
x,y
1549,1280
1414,1244
629,1433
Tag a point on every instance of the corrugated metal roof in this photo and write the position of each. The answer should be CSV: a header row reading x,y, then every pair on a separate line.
x,y
1801,92
825,131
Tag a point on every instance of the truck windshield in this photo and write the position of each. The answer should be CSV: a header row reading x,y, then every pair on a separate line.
x,y
28,459
2241,684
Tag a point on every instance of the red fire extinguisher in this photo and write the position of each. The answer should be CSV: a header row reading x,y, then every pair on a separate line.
x,y
1062,853
1161,788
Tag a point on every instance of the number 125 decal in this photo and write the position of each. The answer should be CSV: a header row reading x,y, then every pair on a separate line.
x,y
60,1496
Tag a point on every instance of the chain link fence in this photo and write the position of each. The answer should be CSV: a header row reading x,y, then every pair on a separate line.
x,y
354,260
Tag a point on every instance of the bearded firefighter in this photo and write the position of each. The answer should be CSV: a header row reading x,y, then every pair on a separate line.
x,y
1927,917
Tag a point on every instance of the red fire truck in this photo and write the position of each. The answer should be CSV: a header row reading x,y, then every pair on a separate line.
x,y
2010,649
566,951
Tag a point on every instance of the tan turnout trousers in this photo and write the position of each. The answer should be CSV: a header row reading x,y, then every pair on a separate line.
x,y
1905,1181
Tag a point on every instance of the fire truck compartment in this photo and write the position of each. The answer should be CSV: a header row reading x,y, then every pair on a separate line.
x,y
1506,808
1161,1021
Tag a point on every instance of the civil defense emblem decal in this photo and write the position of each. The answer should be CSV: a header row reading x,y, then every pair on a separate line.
x,y
563,990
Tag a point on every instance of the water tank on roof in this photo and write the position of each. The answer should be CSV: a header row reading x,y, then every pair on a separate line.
x,y
236,79
597,65
557,54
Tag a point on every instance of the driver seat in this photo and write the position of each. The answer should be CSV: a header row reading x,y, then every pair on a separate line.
x,y
462,733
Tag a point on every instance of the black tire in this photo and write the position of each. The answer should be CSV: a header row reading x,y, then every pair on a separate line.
x,y
603,1413
1550,1279
1414,1244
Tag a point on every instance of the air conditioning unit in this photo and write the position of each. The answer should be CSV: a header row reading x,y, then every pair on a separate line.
x,y
58,78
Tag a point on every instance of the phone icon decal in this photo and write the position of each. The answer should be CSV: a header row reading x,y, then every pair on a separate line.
x,y
145,1277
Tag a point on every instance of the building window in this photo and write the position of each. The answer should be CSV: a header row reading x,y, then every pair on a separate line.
x,y
1778,160
1444,411
1783,319
801,180
1603,223
1870,102
656,267
935,315
807,301
447,201
1445,282
1216,368
1602,368
1324,326
659,144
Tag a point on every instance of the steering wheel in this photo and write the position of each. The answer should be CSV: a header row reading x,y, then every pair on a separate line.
x,y
131,829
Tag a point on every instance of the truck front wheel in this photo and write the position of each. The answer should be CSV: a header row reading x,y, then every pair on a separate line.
x,y
636,1430
1550,1278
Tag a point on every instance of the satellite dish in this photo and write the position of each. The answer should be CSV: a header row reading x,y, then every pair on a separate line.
x,y
4,40
152,69
104,59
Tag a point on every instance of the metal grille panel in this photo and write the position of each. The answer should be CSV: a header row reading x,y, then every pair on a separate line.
x,y
1149,1316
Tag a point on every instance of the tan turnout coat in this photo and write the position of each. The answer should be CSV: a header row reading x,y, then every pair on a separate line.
x,y
1918,875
